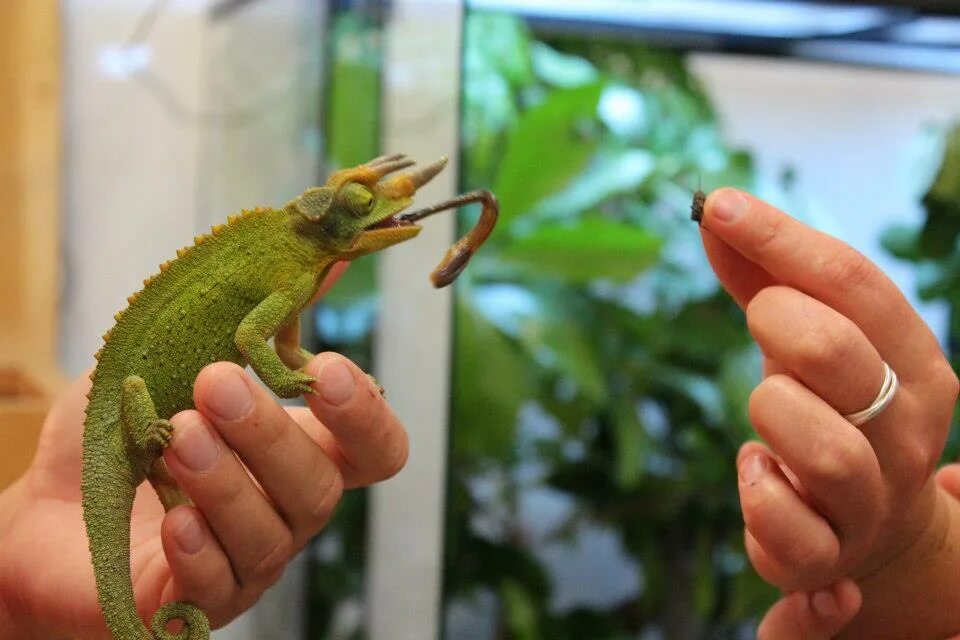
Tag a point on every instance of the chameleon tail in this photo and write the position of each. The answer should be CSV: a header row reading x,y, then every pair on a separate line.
x,y
197,627
108,493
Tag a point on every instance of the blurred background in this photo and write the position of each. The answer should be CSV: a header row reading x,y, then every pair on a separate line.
x,y
576,401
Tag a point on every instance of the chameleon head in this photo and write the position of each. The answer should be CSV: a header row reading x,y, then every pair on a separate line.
x,y
357,208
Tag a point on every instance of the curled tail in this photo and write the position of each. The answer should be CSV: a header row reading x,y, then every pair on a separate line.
x,y
196,625
109,486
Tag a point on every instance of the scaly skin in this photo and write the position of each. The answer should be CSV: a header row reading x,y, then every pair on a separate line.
x,y
221,299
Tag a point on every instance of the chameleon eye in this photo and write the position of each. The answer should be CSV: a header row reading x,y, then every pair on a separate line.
x,y
356,199
367,199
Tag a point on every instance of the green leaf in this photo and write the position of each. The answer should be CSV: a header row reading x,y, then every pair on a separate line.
x,y
491,381
939,235
561,69
610,174
592,249
547,149
547,326
903,242
567,347
631,442
500,42
521,612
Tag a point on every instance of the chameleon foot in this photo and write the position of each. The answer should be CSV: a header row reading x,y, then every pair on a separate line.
x,y
291,384
154,436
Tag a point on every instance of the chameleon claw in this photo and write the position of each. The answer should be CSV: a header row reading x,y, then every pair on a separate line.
x,y
293,384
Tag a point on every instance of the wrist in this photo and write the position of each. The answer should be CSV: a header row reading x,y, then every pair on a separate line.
x,y
917,594
12,623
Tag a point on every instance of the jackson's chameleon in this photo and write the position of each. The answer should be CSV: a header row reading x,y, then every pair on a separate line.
x,y
222,299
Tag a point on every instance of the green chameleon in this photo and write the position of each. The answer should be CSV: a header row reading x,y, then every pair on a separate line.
x,y
222,299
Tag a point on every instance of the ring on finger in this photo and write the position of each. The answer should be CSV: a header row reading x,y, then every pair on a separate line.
x,y
888,389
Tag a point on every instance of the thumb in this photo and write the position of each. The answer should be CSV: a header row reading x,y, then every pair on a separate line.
x,y
812,616
949,478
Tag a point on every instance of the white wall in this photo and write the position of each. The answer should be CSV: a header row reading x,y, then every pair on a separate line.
x,y
855,136
130,166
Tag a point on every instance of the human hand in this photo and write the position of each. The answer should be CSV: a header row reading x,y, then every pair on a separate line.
x,y
823,499
222,553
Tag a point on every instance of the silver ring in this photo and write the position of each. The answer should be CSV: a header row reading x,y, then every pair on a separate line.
x,y
887,390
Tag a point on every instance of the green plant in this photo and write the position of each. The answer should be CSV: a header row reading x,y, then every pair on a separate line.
x,y
597,365
932,248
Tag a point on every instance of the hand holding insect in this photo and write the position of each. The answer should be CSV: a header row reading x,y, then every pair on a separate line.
x,y
823,499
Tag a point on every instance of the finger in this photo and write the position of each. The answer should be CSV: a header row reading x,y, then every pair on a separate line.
x,y
949,478
256,540
831,458
366,438
799,543
812,616
753,446
823,349
829,270
199,565
303,483
741,278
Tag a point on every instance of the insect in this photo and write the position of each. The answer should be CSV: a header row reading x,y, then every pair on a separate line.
x,y
696,208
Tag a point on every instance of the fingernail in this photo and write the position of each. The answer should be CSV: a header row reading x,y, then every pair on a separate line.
x,y
753,468
230,397
195,446
190,536
336,382
729,205
825,604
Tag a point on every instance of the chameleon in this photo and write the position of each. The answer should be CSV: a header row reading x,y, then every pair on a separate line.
x,y
222,299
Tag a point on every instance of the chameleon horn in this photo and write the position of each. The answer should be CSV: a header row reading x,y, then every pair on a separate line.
x,y
388,166
423,175
385,158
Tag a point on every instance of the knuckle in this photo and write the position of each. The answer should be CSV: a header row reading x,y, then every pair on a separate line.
x,y
839,463
214,588
846,270
768,238
918,460
813,559
321,507
824,344
945,382
268,427
224,492
268,568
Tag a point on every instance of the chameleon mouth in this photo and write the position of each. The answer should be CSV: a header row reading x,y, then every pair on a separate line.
x,y
391,222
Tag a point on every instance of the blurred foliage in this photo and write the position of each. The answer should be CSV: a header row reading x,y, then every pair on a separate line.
x,y
600,376
933,248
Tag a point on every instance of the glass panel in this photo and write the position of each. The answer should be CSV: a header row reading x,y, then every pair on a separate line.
x,y
600,376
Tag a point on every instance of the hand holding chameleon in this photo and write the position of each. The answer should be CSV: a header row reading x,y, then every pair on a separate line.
x,y
226,536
